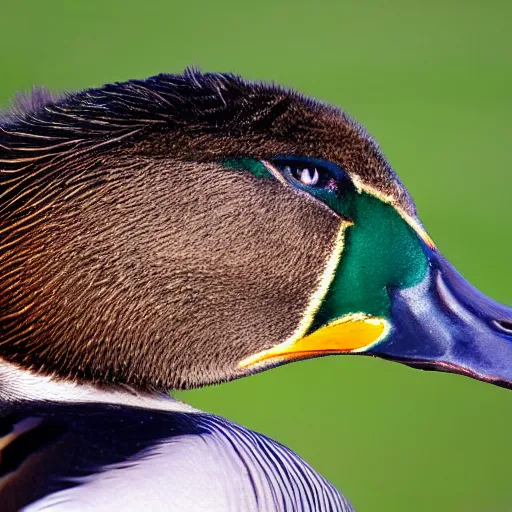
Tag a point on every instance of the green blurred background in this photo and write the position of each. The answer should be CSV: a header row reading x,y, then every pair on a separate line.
x,y
432,82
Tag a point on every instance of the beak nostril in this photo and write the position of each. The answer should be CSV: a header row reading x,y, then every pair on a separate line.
x,y
504,325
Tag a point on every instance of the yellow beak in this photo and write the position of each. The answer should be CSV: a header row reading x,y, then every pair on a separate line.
x,y
352,333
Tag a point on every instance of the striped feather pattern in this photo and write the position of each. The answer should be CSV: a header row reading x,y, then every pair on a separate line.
x,y
101,457
281,480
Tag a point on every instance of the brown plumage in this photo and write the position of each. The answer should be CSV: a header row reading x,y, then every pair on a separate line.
x,y
129,254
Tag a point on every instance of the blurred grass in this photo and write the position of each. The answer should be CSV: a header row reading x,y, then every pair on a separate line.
x,y
432,83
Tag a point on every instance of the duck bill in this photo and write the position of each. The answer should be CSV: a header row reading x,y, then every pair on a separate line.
x,y
446,324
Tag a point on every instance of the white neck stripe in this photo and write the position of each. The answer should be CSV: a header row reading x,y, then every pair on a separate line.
x,y
17,384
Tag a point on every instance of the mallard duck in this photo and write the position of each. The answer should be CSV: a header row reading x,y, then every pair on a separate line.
x,y
184,230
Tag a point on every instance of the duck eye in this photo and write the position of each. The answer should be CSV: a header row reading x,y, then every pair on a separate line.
x,y
309,177
306,174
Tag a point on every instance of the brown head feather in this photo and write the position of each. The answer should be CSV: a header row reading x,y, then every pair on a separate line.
x,y
129,254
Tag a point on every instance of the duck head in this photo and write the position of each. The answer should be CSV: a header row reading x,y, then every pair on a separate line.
x,y
184,230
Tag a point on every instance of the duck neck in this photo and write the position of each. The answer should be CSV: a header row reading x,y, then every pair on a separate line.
x,y
18,384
